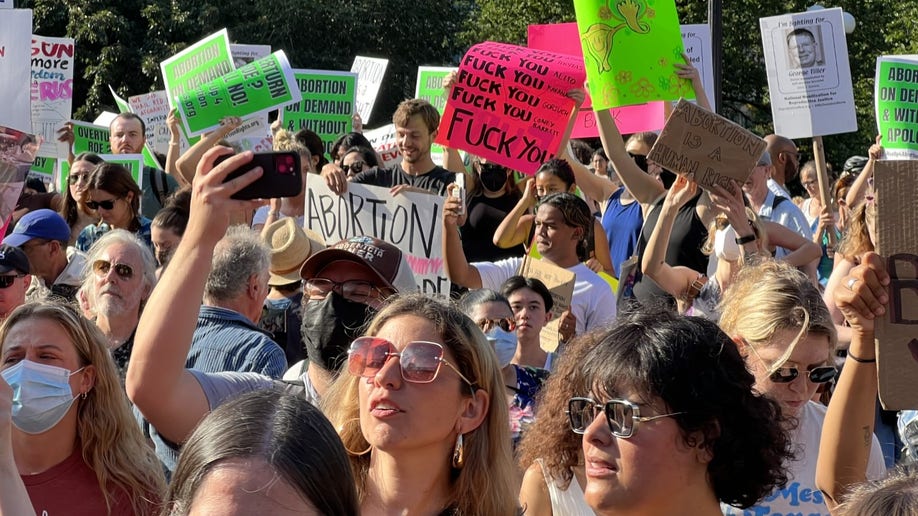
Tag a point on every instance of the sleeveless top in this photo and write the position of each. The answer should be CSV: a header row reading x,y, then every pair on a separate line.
x,y
685,241
565,502
622,224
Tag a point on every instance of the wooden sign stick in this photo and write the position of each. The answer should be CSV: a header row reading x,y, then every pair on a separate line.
x,y
819,155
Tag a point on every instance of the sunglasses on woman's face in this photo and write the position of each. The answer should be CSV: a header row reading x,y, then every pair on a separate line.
x,y
123,270
821,374
105,205
419,361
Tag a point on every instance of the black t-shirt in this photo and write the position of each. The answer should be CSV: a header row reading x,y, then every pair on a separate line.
x,y
685,243
485,214
435,181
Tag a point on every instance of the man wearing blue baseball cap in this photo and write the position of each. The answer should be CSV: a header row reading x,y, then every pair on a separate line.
x,y
57,268
14,279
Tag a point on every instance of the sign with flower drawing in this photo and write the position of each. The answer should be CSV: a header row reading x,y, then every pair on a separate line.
x,y
629,47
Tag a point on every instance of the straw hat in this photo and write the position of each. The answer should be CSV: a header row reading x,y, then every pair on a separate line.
x,y
290,247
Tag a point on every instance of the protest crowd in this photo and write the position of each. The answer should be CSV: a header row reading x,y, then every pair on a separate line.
x,y
482,309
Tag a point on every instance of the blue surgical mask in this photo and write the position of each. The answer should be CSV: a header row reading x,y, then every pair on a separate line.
x,y
41,395
504,343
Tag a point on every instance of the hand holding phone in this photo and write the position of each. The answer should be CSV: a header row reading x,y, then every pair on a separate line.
x,y
281,177
459,192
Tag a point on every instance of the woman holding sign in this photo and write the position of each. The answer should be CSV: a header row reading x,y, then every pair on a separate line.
x,y
778,320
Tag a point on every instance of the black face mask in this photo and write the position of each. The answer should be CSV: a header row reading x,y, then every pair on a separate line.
x,y
329,326
493,177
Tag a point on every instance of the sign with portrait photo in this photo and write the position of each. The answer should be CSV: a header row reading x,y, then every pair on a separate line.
x,y
809,78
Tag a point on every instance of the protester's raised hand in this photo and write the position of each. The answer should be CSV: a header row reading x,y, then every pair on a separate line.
x,y
863,294
335,178
826,218
578,95
211,201
453,208
728,202
449,81
398,189
172,121
529,191
876,150
687,70
231,122
276,126
681,192
567,328
65,134
6,417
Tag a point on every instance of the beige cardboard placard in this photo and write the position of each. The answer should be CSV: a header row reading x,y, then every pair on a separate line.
x,y
714,149
560,282
896,184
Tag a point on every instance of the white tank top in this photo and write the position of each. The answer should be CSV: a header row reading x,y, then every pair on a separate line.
x,y
566,502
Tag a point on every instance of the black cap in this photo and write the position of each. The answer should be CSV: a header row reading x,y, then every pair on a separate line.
x,y
12,258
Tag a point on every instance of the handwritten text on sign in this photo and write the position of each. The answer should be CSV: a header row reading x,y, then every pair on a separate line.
x,y
51,89
410,222
510,105
714,149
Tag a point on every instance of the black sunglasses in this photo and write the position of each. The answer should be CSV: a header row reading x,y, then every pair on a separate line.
x,y
6,281
77,178
105,205
821,374
123,270
354,168
640,160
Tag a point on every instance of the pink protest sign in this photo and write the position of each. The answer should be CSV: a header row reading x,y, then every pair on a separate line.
x,y
510,105
564,38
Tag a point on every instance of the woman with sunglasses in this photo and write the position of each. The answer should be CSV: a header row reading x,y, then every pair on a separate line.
x,y
670,421
357,159
76,445
778,320
491,312
115,196
421,414
74,209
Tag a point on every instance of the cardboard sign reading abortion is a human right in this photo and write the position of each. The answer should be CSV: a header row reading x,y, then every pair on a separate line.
x,y
714,149
510,105
897,243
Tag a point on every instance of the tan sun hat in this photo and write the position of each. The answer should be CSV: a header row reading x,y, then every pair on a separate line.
x,y
290,247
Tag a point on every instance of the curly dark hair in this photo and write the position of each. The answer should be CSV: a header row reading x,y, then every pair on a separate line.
x,y
550,437
559,168
576,214
696,370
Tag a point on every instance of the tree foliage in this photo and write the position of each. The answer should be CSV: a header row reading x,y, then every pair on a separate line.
x,y
121,43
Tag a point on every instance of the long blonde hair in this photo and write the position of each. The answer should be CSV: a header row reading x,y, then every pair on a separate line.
x,y
772,296
112,444
486,485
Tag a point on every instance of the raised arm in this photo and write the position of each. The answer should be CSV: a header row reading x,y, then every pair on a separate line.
x,y
514,229
592,185
803,252
175,148
847,430
859,188
673,280
458,269
188,162
157,381
688,71
643,187
14,499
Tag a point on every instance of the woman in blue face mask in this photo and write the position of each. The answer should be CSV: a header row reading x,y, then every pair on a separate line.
x,y
75,443
491,312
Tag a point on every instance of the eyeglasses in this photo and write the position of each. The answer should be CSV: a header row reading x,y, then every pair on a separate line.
x,y
105,205
77,178
6,281
419,362
505,324
355,290
621,415
640,160
354,168
820,374
123,270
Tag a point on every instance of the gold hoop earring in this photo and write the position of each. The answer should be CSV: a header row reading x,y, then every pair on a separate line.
x,y
340,430
459,453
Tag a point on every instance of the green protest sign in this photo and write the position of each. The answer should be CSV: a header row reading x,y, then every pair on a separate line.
x,y
326,107
198,64
63,171
430,88
124,107
258,87
897,105
90,138
629,48
44,168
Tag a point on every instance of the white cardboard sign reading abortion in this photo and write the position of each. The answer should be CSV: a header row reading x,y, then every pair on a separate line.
x,y
809,79
411,222
370,72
